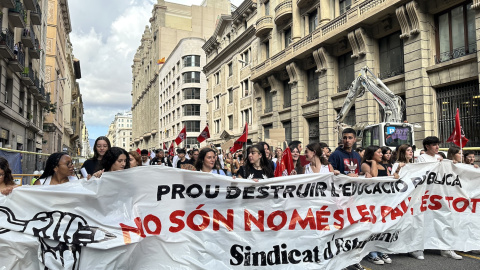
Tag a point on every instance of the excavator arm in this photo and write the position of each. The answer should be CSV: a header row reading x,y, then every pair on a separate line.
x,y
392,104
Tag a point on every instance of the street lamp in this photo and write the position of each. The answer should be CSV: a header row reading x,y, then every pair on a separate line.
x,y
59,79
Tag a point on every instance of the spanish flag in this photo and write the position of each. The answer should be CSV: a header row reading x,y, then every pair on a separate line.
x,y
161,61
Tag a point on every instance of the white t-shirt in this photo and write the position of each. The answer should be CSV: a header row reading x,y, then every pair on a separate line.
x,y
323,169
46,181
146,163
427,158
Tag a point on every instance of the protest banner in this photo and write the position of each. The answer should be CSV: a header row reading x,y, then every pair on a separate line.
x,y
157,217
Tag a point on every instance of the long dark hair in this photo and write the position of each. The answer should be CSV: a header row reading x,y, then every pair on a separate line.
x,y
264,162
369,152
317,148
51,163
112,155
201,156
95,152
298,165
8,178
385,149
401,153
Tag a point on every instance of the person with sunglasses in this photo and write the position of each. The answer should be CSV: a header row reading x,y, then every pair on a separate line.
x,y
59,169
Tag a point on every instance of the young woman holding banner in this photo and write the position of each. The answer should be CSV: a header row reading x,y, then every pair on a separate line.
x,y
207,162
59,169
296,160
404,156
6,179
257,166
115,159
318,162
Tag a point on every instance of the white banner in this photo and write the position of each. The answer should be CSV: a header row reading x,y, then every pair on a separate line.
x,y
156,217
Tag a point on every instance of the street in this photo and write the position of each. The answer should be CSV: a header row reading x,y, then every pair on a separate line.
x,y
433,260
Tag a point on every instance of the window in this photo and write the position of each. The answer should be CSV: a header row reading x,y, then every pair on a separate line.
x,y
268,100
346,71
288,37
287,126
266,44
246,116
230,69
191,61
191,77
217,124
245,58
217,102
21,103
456,33
230,122
191,109
345,5
192,126
391,56
267,8
266,131
313,131
9,92
189,141
312,21
191,93
245,89
230,96
217,77
287,94
313,81
245,24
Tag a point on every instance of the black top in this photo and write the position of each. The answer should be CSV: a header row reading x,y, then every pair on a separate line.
x,y
160,161
180,163
382,172
388,167
251,174
91,166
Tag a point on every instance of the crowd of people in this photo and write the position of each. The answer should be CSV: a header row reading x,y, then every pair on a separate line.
x,y
255,163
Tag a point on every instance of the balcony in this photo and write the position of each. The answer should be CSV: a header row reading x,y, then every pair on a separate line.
x,y
264,26
6,44
34,52
36,16
28,76
30,4
17,64
42,97
28,37
283,12
304,3
16,15
7,3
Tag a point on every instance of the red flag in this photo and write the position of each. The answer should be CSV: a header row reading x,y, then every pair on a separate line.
x,y
238,144
285,166
181,137
457,134
139,151
171,151
204,135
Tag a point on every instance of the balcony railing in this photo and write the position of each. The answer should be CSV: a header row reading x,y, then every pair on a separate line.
x,y
28,76
264,25
312,97
8,3
36,16
28,37
17,15
30,4
394,71
456,53
283,11
6,44
35,50
18,64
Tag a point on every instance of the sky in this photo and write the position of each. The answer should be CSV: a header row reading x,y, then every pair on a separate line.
x,y
105,47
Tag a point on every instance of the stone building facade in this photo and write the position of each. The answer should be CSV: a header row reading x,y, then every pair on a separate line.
x,y
183,93
169,24
22,95
120,131
231,52
61,72
310,50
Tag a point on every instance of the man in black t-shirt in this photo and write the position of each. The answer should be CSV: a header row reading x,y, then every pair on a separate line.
x,y
160,159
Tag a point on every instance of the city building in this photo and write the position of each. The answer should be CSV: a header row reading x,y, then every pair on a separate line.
x,y
309,52
169,24
183,93
22,95
231,52
61,72
120,130
86,148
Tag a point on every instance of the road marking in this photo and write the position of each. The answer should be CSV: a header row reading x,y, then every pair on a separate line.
x,y
366,268
468,255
